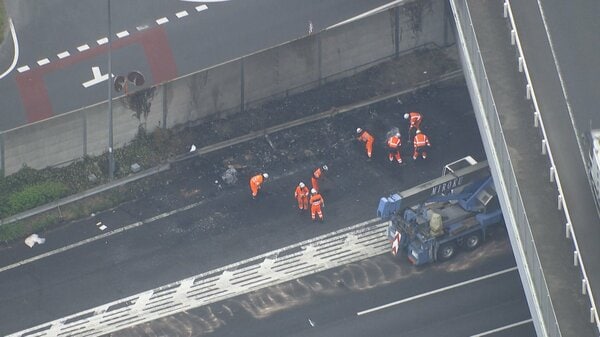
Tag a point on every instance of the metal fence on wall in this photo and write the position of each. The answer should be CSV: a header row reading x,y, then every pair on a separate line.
x,y
231,87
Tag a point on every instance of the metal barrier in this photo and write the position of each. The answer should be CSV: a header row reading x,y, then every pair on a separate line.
x,y
531,269
327,251
538,121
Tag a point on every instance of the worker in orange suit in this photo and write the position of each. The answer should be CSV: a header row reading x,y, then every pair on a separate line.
x,y
421,142
414,118
256,183
318,174
394,142
301,194
366,137
316,203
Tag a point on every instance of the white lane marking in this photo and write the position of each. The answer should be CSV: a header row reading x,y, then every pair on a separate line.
x,y
122,34
162,20
201,8
23,68
503,328
367,13
181,14
83,47
99,237
16,53
102,41
433,292
63,54
98,78
43,61
142,27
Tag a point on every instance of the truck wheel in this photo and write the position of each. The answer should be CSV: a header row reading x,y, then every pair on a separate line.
x,y
472,241
446,251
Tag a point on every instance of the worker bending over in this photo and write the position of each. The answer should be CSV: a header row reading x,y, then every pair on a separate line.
x,y
256,183
366,137
414,118
318,174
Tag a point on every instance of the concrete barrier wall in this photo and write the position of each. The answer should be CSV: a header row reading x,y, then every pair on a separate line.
x,y
231,87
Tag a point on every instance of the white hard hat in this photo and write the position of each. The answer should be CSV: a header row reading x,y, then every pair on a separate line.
x,y
358,130
398,134
418,131
313,191
266,175
406,115
301,184
325,167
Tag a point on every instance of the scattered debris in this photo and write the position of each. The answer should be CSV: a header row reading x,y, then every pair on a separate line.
x,y
101,226
193,148
135,167
33,239
92,178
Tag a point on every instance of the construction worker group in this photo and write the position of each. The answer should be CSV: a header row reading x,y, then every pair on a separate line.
x,y
314,199
419,139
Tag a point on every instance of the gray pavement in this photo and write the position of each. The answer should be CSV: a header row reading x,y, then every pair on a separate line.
x,y
531,167
226,225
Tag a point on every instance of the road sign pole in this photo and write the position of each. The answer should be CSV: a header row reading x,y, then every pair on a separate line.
x,y
111,156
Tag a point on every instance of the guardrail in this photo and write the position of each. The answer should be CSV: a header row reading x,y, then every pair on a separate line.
x,y
528,259
569,232
327,251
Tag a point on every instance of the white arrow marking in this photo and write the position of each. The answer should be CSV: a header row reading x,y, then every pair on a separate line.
x,y
98,77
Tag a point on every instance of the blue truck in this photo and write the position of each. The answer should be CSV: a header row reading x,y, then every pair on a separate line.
x,y
431,221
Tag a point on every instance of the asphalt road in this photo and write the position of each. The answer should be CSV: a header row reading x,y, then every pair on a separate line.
x,y
61,42
361,299
225,225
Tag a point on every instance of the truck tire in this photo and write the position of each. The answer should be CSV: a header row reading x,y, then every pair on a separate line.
x,y
472,241
446,251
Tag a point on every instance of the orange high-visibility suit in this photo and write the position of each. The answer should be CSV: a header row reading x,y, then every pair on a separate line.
x,y
255,184
301,194
420,141
316,202
394,143
315,178
415,119
368,140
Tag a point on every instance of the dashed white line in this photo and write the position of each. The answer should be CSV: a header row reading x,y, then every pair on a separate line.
x,y
510,326
43,61
201,8
23,68
122,34
142,27
63,54
83,47
162,20
102,41
181,14
481,278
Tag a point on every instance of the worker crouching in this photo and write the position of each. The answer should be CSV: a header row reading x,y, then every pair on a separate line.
x,y
301,195
366,138
317,175
316,204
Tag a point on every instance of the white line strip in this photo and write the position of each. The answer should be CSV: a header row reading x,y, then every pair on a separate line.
x,y
16,47
63,54
122,34
95,238
503,328
201,8
83,47
481,278
23,68
142,27
181,14
43,61
162,20
102,41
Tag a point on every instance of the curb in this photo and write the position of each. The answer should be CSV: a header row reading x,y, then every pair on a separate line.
x,y
234,141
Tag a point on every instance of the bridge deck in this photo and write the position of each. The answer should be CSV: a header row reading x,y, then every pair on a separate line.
x,y
532,168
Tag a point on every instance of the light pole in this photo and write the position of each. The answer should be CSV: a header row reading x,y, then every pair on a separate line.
x,y
111,155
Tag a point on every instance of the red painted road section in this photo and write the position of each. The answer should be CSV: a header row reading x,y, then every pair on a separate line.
x,y
32,85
